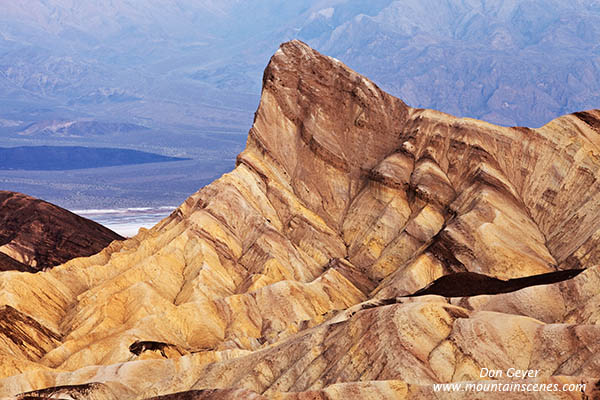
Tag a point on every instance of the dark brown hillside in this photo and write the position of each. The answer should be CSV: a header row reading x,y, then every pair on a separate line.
x,y
38,235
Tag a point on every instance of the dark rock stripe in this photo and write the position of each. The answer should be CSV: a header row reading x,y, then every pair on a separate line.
x,y
10,264
463,284
590,119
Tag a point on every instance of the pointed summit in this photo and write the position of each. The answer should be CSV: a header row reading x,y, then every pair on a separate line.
x,y
288,277
318,118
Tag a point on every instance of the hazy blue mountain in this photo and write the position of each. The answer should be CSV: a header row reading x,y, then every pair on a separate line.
x,y
76,129
509,62
184,64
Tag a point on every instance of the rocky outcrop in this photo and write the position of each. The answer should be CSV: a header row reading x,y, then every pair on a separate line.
x,y
290,276
88,391
212,394
35,234
25,337
166,350
10,264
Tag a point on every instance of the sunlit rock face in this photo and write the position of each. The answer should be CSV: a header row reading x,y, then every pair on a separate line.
x,y
290,277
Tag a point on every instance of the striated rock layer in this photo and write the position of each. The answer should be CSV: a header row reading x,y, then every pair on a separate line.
x,y
290,277
35,234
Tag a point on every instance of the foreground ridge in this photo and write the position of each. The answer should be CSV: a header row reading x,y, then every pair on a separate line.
x,y
290,276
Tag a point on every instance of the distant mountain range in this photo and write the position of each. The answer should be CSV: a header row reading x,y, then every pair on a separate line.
x,y
78,128
189,65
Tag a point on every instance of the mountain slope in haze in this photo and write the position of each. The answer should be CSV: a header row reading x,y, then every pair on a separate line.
x,y
290,277
190,64
35,235
77,128
487,60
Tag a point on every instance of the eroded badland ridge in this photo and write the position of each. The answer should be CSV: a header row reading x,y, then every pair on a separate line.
x,y
35,235
287,278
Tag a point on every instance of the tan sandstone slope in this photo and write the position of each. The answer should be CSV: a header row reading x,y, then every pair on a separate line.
x,y
288,277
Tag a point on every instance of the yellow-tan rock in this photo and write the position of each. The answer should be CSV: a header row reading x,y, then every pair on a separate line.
x,y
289,276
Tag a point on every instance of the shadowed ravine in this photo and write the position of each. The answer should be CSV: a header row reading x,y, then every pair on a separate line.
x,y
461,284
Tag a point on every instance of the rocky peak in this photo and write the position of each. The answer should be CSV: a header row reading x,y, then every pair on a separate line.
x,y
290,277
318,118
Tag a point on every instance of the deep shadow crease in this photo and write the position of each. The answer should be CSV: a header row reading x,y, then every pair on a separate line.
x,y
463,284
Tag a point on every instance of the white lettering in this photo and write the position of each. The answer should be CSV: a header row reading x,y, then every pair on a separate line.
x,y
522,373
490,373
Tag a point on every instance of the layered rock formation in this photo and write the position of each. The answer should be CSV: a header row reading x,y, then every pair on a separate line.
x,y
291,276
35,235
